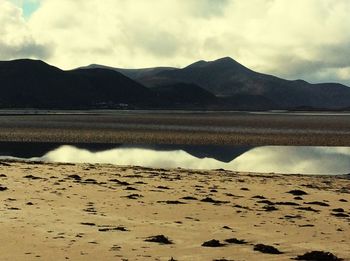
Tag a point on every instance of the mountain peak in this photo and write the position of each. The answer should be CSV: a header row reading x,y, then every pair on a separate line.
x,y
225,63
28,65
225,59
25,61
197,64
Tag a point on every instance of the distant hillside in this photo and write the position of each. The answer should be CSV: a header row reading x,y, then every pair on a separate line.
x,y
35,84
183,94
223,84
226,77
134,74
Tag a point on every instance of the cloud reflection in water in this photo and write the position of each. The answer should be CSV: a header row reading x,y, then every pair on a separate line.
x,y
278,159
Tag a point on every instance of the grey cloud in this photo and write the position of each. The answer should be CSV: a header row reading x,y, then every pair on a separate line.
x,y
326,75
335,55
25,50
157,43
162,44
328,59
208,8
16,39
293,67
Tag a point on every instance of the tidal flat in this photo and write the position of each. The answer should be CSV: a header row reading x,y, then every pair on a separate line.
x,y
144,127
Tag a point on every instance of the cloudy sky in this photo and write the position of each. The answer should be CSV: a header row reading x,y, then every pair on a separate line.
x,y
308,39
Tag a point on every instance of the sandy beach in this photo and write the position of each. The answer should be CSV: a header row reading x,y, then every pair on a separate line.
x,y
57,211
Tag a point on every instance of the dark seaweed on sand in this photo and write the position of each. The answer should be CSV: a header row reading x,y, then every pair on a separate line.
x,y
235,241
266,249
161,239
297,192
172,202
75,177
318,256
213,243
210,200
2,188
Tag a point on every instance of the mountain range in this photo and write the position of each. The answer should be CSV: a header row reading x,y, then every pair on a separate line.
x,y
223,84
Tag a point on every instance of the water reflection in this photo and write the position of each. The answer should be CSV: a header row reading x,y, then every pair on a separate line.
x,y
30,150
278,159
303,160
220,153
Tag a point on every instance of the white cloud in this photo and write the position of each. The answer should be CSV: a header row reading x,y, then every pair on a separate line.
x,y
294,39
16,39
344,73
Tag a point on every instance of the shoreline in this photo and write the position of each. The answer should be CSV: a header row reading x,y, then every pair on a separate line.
x,y
15,160
104,211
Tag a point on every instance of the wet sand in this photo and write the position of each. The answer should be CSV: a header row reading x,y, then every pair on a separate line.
x,y
105,212
220,128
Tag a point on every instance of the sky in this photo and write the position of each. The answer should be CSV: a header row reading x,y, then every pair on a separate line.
x,y
299,39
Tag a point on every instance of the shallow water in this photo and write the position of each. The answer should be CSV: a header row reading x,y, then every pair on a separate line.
x,y
277,159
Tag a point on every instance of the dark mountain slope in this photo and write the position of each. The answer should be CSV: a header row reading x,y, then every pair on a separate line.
x,y
223,84
24,83
226,77
35,84
183,94
134,74
111,86
248,102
